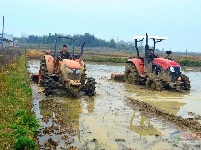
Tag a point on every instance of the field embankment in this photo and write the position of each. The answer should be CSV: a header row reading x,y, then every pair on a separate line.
x,y
17,123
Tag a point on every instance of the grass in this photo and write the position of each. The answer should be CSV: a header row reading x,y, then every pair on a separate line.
x,y
187,62
18,125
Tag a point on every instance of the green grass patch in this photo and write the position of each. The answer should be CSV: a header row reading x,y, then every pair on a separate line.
x,y
18,124
187,62
106,59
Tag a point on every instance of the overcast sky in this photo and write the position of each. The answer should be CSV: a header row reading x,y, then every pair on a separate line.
x,y
179,20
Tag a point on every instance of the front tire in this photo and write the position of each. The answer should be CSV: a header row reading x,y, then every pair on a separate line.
x,y
90,87
186,82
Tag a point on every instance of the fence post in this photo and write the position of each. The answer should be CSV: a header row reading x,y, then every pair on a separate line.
x,y
2,33
25,50
186,53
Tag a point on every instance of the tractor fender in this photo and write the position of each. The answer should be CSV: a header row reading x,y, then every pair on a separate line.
x,y
49,63
138,64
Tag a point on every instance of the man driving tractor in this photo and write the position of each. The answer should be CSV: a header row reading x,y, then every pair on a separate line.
x,y
151,53
64,54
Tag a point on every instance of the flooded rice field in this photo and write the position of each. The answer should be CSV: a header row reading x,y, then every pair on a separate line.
x,y
110,121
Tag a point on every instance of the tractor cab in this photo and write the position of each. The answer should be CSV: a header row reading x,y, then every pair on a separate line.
x,y
74,62
149,56
139,39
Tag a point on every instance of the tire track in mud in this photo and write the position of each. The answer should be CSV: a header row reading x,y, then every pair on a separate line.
x,y
184,123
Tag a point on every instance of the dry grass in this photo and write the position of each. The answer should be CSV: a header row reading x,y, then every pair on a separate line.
x,y
34,53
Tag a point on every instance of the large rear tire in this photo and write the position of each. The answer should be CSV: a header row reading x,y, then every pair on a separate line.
x,y
131,74
186,82
42,73
48,85
45,79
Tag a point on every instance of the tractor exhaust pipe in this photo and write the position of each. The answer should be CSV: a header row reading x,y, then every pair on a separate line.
x,y
82,49
137,48
146,63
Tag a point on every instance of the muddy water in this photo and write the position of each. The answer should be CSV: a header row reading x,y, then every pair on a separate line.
x,y
107,121
186,104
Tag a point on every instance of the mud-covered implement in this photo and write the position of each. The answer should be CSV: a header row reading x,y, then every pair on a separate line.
x,y
117,77
155,72
67,74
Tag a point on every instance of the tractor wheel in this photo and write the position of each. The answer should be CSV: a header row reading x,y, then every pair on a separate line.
x,y
73,91
131,74
90,87
186,82
48,85
154,83
42,73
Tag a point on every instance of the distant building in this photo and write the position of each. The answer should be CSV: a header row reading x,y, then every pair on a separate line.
x,y
7,40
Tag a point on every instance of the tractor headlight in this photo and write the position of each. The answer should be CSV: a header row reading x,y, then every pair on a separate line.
x,y
172,69
74,71
180,69
78,72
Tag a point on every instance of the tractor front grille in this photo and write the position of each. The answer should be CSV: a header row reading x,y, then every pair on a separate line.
x,y
74,76
175,74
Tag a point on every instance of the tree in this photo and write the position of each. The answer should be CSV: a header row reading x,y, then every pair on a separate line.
x,y
112,43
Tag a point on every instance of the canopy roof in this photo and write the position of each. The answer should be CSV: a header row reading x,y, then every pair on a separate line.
x,y
150,37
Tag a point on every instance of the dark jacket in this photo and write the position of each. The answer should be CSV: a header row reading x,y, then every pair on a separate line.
x,y
151,57
64,56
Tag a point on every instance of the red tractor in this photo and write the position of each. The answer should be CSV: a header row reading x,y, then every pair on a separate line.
x,y
156,73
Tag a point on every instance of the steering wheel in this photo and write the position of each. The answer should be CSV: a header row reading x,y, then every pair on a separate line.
x,y
59,58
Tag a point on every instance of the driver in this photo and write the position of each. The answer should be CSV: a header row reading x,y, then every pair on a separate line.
x,y
151,53
64,54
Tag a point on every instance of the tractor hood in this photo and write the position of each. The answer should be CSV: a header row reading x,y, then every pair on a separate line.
x,y
73,64
165,63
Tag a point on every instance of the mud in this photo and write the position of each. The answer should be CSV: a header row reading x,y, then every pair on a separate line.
x,y
117,117
184,123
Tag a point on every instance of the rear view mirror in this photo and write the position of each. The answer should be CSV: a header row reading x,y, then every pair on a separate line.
x,y
168,52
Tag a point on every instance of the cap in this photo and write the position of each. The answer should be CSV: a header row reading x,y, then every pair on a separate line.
x,y
151,49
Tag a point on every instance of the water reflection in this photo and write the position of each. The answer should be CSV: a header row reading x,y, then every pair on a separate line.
x,y
90,105
141,124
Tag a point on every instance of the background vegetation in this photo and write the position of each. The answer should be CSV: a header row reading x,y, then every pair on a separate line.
x,y
35,41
